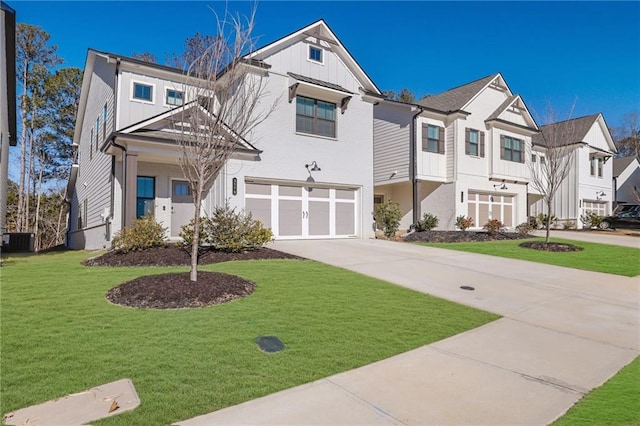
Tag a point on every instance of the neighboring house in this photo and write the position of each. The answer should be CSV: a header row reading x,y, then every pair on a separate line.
x,y
626,180
588,186
461,152
8,131
305,172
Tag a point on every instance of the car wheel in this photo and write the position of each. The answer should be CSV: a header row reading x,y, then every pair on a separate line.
x,y
604,225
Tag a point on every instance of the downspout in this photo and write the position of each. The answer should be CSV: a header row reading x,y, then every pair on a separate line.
x,y
122,148
413,165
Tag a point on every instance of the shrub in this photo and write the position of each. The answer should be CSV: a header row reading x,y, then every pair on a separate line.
x,y
428,222
142,234
524,228
569,225
186,232
542,220
493,227
229,231
464,222
591,220
388,217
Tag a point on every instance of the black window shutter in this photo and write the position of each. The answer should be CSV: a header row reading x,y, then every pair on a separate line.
x,y
467,141
502,147
522,151
481,144
440,140
425,137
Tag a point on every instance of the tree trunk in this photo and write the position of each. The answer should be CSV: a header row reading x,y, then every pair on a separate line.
x,y
548,225
62,203
23,162
37,218
193,275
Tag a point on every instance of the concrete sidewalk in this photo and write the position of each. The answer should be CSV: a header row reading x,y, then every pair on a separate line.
x,y
564,332
632,239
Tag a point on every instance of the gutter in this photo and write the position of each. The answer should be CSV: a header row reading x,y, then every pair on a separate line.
x,y
413,164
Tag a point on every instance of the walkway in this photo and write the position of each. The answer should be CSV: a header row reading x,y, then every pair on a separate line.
x,y
603,237
564,332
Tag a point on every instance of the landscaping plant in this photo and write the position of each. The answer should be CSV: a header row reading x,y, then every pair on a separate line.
x,y
543,220
428,222
524,228
591,220
493,227
388,217
464,222
144,233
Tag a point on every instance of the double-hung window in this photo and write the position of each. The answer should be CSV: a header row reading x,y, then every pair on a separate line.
x,y
315,117
143,92
97,132
596,166
174,97
474,142
432,138
104,121
512,149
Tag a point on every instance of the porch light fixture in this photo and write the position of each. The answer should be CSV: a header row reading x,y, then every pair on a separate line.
x,y
599,195
314,167
502,187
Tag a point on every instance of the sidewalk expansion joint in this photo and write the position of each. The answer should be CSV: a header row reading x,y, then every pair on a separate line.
x,y
544,380
367,402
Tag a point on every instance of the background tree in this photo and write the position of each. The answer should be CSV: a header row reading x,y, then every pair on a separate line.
x,y
34,58
194,48
225,92
547,177
145,56
405,95
628,135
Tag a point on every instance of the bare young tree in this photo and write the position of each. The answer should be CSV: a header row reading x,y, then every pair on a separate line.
x,y
225,91
558,143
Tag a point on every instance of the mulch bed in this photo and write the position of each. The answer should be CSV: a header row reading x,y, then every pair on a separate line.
x,y
461,236
170,291
554,247
172,255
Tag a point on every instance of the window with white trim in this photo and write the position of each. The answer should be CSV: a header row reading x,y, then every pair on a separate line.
x,y
174,97
143,92
512,149
316,54
315,117
596,166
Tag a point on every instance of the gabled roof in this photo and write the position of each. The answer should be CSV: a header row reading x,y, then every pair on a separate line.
x,y
148,127
514,101
621,163
459,97
321,30
576,129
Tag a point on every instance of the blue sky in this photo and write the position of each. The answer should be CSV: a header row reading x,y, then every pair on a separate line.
x,y
549,52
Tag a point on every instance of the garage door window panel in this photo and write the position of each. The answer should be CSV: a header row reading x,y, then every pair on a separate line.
x,y
290,217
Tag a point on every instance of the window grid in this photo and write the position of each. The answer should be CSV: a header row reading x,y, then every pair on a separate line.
x,y
474,142
143,92
174,97
315,117
315,54
512,149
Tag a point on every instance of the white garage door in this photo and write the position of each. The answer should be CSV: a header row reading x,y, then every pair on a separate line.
x,y
597,207
483,207
294,211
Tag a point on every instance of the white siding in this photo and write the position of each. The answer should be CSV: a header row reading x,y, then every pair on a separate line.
x,y
391,138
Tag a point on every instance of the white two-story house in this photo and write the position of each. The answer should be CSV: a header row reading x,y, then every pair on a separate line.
x,y
461,152
588,187
305,172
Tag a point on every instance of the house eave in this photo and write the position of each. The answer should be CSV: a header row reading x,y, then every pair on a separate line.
x,y
532,131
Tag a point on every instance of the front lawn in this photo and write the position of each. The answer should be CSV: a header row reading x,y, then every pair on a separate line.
x,y
617,402
595,257
60,335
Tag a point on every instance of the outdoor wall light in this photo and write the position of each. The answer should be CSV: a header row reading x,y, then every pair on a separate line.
x,y
503,186
314,167
600,194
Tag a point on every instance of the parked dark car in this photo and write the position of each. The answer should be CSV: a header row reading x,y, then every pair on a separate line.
x,y
625,219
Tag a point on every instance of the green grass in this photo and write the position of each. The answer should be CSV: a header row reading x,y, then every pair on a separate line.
x,y
595,257
617,402
60,335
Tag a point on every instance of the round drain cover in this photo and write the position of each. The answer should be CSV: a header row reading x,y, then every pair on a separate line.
x,y
467,287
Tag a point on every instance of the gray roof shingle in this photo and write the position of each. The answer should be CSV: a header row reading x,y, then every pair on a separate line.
x,y
455,99
574,130
621,163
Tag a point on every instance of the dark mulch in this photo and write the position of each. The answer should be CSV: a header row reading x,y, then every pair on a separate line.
x,y
170,291
172,255
461,236
554,247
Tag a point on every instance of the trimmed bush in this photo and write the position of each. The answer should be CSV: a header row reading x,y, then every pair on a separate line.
x,y
388,217
186,232
542,220
428,222
493,227
142,234
591,220
570,224
229,231
524,228
464,222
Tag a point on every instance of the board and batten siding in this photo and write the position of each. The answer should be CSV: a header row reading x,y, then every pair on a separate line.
x,y
94,177
391,138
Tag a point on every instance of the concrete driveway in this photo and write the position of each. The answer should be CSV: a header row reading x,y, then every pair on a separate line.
x,y
564,332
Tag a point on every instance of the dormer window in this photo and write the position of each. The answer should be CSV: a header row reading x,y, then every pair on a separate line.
x,y
316,54
174,97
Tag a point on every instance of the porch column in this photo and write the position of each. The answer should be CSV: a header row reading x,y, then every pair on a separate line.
x,y
131,188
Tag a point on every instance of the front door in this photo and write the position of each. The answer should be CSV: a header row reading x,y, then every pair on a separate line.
x,y
181,206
